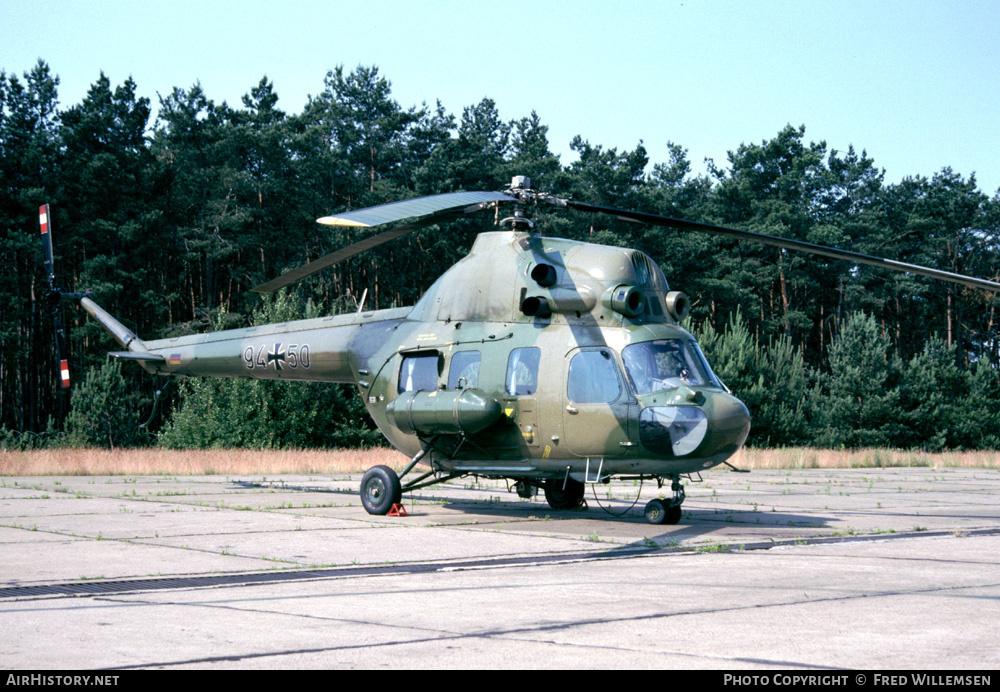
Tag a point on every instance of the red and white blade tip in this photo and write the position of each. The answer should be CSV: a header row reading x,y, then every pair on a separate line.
x,y
64,373
43,218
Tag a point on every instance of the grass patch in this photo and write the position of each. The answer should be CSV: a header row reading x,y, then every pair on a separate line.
x,y
158,462
810,458
155,462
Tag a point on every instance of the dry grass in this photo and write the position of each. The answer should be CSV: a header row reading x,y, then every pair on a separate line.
x,y
153,462
810,458
150,462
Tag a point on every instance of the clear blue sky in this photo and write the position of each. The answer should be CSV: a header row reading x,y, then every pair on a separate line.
x,y
915,83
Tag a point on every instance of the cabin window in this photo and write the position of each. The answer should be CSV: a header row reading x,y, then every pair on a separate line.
x,y
419,372
593,378
666,364
464,371
522,371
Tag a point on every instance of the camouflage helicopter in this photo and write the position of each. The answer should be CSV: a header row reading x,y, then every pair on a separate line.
x,y
547,362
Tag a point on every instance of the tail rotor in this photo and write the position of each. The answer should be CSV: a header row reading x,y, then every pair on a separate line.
x,y
55,294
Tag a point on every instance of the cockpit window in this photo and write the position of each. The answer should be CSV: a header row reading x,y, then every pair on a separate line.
x,y
665,364
522,371
712,377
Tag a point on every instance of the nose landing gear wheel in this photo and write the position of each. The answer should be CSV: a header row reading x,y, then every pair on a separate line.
x,y
380,490
660,512
667,511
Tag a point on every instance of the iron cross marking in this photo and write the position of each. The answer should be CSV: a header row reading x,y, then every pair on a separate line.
x,y
276,356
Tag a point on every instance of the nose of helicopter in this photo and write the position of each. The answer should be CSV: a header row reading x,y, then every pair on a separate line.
x,y
717,425
729,424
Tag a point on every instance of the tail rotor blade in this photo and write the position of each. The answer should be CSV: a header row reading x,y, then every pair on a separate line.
x,y
62,351
45,226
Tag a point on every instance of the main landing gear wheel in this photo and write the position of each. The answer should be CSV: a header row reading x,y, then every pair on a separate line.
x,y
660,512
564,493
380,490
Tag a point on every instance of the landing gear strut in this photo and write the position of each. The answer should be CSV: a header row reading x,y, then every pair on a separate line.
x,y
666,511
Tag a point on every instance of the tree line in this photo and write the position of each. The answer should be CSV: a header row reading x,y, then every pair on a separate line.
x,y
170,220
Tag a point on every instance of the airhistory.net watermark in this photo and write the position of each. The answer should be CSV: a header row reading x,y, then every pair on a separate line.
x,y
42,680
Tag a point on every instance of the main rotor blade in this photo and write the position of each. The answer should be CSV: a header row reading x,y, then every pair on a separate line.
x,y
826,251
413,208
433,209
325,261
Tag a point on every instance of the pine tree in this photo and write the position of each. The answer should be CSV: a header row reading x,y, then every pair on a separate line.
x,y
932,392
104,410
979,411
771,380
857,403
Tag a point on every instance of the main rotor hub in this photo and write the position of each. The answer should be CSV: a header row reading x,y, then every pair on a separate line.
x,y
520,188
520,182
518,222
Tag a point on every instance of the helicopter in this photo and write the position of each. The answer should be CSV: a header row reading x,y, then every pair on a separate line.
x,y
550,363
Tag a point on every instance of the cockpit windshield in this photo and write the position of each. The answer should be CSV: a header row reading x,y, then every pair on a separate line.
x,y
665,364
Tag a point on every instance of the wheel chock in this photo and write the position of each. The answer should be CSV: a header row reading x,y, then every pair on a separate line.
x,y
398,510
